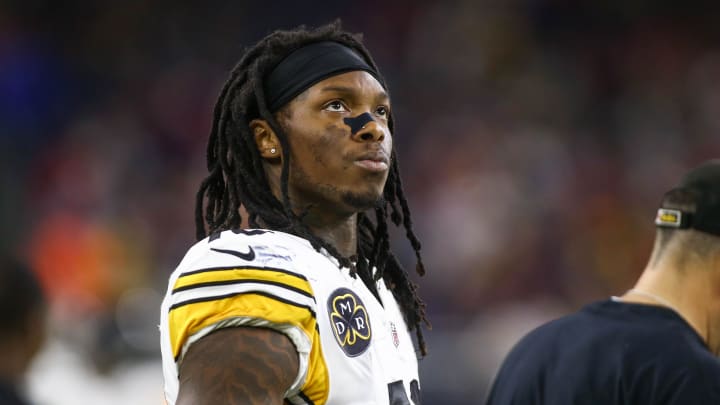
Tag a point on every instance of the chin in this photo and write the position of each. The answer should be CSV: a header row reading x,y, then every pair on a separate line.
x,y
362,201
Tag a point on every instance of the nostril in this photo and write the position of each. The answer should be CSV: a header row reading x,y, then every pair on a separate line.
x,y
366,136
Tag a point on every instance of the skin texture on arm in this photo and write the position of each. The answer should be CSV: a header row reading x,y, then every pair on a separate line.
x,y
238,366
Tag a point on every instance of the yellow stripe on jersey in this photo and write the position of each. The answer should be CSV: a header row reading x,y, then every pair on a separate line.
x,y
220,276
190,316
317,385
187,319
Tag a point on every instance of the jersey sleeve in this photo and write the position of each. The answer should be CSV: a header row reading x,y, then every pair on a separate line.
x,y
240,279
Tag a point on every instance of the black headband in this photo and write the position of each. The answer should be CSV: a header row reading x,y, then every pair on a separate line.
x,y
308,65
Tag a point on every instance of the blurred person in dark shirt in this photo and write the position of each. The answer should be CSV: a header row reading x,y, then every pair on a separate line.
x,y
22,327
656,344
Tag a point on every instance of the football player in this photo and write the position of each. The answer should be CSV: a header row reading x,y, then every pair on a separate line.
x,y
306,304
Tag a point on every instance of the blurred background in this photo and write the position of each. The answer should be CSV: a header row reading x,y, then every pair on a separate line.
x,y
535,140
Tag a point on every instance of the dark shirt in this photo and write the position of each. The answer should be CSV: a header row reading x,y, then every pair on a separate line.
x,y
610,353
9,395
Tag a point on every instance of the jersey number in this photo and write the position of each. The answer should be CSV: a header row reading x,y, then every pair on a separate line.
x,y
398,396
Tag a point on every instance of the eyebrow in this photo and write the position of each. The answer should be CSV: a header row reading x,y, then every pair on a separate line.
x,y
351,91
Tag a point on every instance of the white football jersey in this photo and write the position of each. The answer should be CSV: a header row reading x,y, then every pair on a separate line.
x,y
352,349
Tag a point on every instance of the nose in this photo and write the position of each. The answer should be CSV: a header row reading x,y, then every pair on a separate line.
x,y
370,132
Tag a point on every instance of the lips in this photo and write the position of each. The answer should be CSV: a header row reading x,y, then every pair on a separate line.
x,y
373,161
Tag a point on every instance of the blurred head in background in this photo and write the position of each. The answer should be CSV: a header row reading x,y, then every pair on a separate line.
x,y
684,267
22,324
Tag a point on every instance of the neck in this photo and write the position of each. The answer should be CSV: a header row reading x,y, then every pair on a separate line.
x,y
340,232
336,227
687,292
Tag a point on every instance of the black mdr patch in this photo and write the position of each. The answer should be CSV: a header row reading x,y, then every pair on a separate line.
x,y
349,321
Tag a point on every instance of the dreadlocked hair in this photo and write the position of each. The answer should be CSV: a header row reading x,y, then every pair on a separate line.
x,y
237,179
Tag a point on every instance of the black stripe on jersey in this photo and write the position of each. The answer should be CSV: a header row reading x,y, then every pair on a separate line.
x,y
243,281
225,268
305,398
299,399
220,297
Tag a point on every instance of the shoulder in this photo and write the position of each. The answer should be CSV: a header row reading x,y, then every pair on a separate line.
x,y
692,382
241,262
251,278
239,278
689,359
552,329
244,247
552,338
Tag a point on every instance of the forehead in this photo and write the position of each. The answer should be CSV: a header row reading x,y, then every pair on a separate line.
x,y
358,82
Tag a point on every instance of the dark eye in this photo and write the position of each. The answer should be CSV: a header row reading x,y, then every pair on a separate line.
x,y
335,106
382,111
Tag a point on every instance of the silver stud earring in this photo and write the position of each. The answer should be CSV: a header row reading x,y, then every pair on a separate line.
x,y
273,150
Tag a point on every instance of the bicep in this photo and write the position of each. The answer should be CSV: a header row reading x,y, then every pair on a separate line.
x,y
238,366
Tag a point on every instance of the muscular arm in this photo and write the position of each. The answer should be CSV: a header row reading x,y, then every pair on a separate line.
x,y
238,366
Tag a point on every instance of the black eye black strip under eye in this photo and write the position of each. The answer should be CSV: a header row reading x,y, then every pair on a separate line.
x,y
357,123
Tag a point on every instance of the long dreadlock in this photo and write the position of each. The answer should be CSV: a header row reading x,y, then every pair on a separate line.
x,y
236,177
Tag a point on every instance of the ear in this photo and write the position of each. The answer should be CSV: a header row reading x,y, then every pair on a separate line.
x,y
265,139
